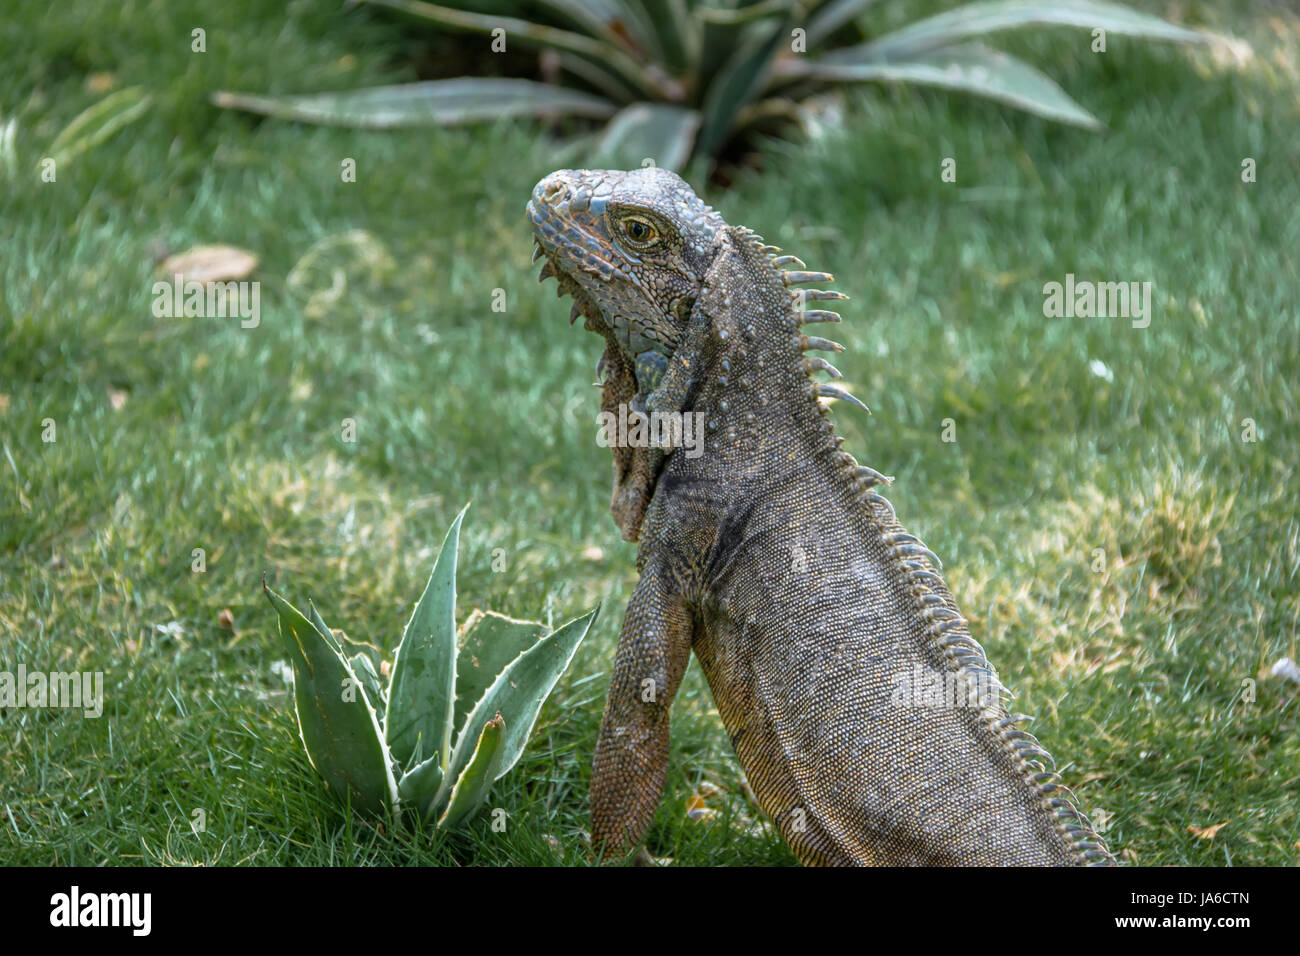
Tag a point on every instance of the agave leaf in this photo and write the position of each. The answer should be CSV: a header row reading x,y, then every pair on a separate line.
x,y
611,84
465,99
975,19
833,16
420,785
474,781
721,46
360,656
326,631
422,692
643,131
619,23
351,646
741,80
774,109
969,67
682,34
737,14
627,27
490,642
365,671
518,693
99,122
342,738
529,34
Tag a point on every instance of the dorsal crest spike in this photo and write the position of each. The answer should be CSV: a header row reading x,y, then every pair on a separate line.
x,y
809,342
871,476
809,316
815,363
823,390
795,277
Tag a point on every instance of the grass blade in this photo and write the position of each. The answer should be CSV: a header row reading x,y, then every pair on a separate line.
x,y
98,123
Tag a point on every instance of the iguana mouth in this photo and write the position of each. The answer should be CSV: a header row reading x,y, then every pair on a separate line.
x,y
594,319
616,328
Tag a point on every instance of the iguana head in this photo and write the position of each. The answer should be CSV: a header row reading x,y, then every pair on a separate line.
x,y
632,248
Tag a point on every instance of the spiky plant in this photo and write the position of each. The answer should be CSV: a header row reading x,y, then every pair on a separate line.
x,y
682,78
455,715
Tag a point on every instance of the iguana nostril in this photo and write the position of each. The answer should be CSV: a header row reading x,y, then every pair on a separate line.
x,y
553,193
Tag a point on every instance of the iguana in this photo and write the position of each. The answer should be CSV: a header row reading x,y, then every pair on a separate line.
x,y
822,626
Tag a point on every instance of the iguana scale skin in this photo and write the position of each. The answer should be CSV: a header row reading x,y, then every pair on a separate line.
x,y
772,557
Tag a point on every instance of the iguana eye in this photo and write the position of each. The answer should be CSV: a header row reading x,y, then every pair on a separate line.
x,y
639,230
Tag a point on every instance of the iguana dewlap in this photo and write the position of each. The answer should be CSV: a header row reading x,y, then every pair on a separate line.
x,y
867,719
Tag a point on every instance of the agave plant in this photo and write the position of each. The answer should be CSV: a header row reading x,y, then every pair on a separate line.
x,y
455,715
682,78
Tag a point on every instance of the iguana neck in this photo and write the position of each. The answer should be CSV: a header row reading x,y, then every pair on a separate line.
x,y
756,391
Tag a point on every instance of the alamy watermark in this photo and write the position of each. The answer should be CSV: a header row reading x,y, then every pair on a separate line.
x,y
189,298
632,429
75,690
75,908
1085,299
929,688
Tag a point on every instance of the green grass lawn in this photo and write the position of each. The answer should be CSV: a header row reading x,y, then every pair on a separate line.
x,y
1127,560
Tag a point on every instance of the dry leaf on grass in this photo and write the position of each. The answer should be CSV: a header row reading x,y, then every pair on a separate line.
x,y
100,82
210,264
695,805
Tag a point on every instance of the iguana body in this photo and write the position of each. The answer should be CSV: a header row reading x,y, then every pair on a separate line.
x,y
819,623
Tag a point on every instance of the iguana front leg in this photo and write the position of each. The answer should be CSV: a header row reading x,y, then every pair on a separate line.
x,y
627,776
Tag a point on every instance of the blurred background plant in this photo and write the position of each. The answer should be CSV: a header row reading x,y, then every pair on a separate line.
x,y
684,79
